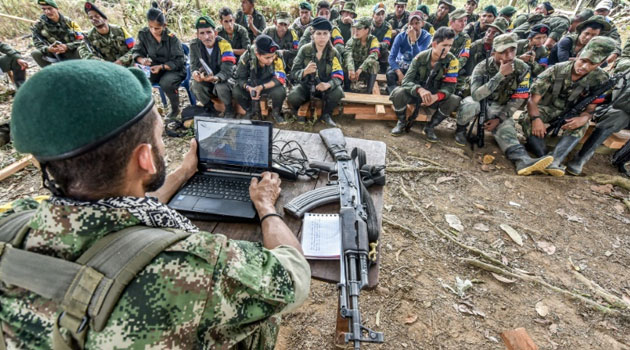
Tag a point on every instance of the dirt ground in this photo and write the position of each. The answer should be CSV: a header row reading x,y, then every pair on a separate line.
x,y
565,224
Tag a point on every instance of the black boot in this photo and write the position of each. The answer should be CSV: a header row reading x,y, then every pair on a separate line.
x,y
346,84
5,134
525,165
536,145
229,111
209,108
371,82
276,113
327,118
400,125
574,167
173,100
19,77
429,129
460,135
562,150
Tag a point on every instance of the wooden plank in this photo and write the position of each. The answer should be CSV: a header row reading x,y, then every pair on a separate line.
x,y
368,99
518,339
381,78
618,139
264,107
378,109
422,115
15,167
357,109
389,115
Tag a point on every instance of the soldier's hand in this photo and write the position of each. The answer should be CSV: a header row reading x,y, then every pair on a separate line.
x,y
156,69
575,123
357,74
258,90
146,61
23,64
400,76
412,35
538,128
265,193
197,76
310,68
425,95
250,21
347,20
491,124
506,68
53,49
62,48
118,62
322,86
525,57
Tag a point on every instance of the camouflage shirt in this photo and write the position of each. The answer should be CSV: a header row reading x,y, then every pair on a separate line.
x,y
614,34
358,56
238,40
249,72
329,68
397,23
288,44
438,23
566,91
65,31
259,22
559,25
473,17
511,90
205,291
299,27
116,45
461,48
420,69
474,31
541,60
383,34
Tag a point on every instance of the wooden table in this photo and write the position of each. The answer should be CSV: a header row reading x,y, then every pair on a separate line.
x,y
316,151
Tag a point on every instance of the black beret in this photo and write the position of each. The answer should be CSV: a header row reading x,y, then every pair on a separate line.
x,y
321,23
539,29
91,7
264,44
548,7
323,4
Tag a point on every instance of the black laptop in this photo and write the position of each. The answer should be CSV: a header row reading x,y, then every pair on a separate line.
x,y
230,153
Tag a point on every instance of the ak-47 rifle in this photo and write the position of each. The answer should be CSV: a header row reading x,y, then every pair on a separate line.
x,y
42,40
480,119
575,110
359,235
429,84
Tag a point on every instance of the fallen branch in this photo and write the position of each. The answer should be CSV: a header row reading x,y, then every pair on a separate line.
x,y
15,167
598,290
424,169
397,155
426,160
627,203
458,151
17,18
401,227
604,179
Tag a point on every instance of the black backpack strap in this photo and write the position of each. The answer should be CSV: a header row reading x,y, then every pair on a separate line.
x,y
13,227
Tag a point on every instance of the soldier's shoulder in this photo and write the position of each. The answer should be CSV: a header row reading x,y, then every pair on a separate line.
x,y
194,43
144,31
240,28
450,56
520,66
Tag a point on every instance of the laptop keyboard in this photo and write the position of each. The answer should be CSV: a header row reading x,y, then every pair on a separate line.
x,y
218,187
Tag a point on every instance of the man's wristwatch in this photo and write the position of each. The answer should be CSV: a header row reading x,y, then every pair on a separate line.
x,y
534,117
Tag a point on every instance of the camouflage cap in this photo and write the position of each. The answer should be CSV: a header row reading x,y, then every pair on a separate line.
x,y
457,14
504,42
595,19
604,5
56,126
449,3
598,49
584,15
350,7
204,22
306,6
362,23
378,7
491,9
508,11
283,17
501,24
47,3
424,8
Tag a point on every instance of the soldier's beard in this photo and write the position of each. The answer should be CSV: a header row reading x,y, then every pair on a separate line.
x,y
157,180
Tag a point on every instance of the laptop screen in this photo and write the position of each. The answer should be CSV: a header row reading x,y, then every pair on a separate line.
x,y
234,144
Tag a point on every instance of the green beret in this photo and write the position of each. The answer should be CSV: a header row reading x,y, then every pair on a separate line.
x,y
48,3
491,9
424,8
204,22
306,6
508,11
79,105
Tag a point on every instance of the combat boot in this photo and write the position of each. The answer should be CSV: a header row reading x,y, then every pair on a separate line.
x,y
399,129
326,118
5,134
173,100
19,77
574,167
346,85
276,113
429,129
209,108
562,150
536,145
229,112
524,164
371,82
249,113
460,135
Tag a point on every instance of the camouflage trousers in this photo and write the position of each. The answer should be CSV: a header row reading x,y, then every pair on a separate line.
x,y
547,114
504,134
38,57
401,97
300,94
205,91
263,337
276,93
383,61
613,119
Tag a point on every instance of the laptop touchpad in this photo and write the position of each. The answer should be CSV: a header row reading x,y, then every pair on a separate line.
x,y
225,207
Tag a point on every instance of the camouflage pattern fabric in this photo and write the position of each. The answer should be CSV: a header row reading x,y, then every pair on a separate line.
x,y
288,44
438,23
559,26
473,17
116,45
259,22
623,62
65,31
613,33
541,59
474,31
299,28
397,23
364,57
203,292
238,40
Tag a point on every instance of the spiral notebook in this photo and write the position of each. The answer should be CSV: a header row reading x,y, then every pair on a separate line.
x,y
321,236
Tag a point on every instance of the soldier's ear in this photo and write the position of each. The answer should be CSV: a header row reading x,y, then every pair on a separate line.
x,y
144,158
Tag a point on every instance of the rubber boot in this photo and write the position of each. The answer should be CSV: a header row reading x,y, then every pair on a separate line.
x,y
562,150
460,135
346,84
229,112
371,82
173,100
399,129
536,145
327,118
429,129
19,77
524,164
276,114
574,167
209,108
5,134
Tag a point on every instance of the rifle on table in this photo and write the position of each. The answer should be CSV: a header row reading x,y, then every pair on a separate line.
x,y
42,40
556,124
481,118
429,84
359,235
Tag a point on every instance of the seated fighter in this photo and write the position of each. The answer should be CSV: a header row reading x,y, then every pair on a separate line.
x,y
106,41
361,55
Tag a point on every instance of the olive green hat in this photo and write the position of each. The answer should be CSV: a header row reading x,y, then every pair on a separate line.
x,y
204,22
79,105
491,9
283,17
598,49
508,11
424,8
504,42
595,19
363,22
350,7
457,14
501,24
48,3
584,15
306,6
448,3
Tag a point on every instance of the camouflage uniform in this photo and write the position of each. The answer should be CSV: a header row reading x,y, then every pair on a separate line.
x,y
559,25
336,39
205,291
248,72
357,56
299,28
238,40
473,17
288,44
384,36
259,22
474,31
478,53
65,31
116,45
461,50
541,60
221,61
623,62
8,62
397,23
437,24
329,70
345,29
503,94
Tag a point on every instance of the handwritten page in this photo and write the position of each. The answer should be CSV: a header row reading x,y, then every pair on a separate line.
x,y
321,236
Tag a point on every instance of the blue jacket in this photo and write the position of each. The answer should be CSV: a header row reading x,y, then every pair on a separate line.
x,y
403,52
